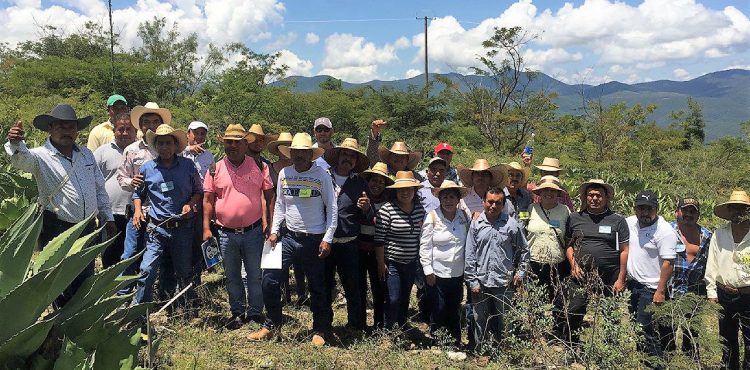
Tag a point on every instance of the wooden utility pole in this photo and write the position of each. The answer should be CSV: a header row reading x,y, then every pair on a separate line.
x,y
426,64
112,47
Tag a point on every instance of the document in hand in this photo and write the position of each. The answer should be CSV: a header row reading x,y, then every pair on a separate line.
x,y
271,258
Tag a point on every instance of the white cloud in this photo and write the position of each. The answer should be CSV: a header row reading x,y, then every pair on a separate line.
x,y
550,56
281,42
311,38
297,66
402,43
354,74
354,59
680,74
412,73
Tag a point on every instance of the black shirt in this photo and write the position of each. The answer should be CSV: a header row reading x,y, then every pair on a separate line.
x,y
599,235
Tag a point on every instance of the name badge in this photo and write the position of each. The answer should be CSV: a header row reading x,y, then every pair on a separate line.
x,y
554,223
605,229
523,215
305,193
166,186
679,248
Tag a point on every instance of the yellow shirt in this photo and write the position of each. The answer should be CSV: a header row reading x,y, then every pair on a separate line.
x,y
101,134
728,262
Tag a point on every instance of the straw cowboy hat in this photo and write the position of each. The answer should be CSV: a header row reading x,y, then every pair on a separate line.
x,y
332,155
737,197
61,112
285,138
582,191
257,131
400,147
235,131
551,165
515,166
448,184
150,107
378,169
405,179
163,130
548,182
499,173
301,141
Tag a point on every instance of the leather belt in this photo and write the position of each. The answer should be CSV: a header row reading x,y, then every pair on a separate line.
x,y
240,230
299,234
745,290
169,224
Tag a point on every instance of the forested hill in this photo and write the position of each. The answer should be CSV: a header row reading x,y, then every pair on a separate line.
x,y
724,95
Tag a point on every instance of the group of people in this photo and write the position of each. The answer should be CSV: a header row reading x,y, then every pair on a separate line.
x,y
469,238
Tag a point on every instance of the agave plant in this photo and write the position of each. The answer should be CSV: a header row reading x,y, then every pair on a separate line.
x,y
90,331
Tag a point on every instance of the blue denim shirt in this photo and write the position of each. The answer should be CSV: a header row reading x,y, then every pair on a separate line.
x,y
688,276
494,252
168,189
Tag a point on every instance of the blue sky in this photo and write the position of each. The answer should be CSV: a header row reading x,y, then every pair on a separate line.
x,y
589,41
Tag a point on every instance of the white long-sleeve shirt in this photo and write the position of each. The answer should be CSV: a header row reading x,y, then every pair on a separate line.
x,y
442,244
728,262
306,201
82,194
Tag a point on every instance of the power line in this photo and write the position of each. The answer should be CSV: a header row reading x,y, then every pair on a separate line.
x,y
349,20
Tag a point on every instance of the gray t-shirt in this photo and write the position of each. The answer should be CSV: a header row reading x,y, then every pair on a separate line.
x,y
109,158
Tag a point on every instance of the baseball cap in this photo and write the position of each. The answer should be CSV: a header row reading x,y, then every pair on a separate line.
x,y
647,198
443,146
197,124
114,99
689,202
322,121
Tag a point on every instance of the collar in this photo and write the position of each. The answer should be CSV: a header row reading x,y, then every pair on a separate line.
x,y
333,173
426,185
503,217
174,164
48,145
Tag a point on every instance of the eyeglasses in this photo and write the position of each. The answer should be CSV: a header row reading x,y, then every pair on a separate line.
x,y
322,129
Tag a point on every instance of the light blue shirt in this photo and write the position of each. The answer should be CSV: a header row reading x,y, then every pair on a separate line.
x,y
168,188
494,252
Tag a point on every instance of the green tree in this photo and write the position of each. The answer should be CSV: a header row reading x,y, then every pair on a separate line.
x,y
331,84
692,123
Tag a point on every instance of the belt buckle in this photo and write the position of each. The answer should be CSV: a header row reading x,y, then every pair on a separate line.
x,y
239,230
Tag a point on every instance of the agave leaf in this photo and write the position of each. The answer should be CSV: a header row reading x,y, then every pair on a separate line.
x,y
24,342
23,305
84,242
73,357
128,315
119,351
79,323
58,247
17,247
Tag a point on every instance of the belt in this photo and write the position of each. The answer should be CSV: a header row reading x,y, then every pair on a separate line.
x,y
240,230
299,234
344,239
169,224
745,290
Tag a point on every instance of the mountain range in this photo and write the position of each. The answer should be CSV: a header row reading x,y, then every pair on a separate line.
x,y
723,95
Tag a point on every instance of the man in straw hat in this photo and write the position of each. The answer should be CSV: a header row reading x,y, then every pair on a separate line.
x,y
653,248
306,204
728,276
597,249
445,151
103,133
256,146
551,167
398,158
497,257
346,160
173,187
323,131
519,199
144,118
480,178
69,183
232,197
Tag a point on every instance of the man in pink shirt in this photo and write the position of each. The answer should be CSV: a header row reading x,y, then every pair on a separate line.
x,y
232,197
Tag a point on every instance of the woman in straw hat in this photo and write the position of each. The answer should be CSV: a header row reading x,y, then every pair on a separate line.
x,y
397,230
441,254
377,179
173,188
551,167
478,179
545,234
728,276
400,158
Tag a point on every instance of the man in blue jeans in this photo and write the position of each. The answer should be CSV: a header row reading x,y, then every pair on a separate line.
x,y
172,186
306,202
232,196
651,256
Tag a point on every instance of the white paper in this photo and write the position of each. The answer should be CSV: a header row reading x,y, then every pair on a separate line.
x,y
271,258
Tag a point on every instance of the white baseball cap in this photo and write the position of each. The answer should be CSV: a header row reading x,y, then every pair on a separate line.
x,y
197,124
322,121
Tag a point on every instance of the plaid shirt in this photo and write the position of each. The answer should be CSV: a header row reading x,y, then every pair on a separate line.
x,y
687,277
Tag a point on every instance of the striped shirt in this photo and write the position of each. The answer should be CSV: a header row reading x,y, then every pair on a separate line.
x,y
398,232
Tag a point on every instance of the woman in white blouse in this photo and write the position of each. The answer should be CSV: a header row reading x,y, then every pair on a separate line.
x,y
441,254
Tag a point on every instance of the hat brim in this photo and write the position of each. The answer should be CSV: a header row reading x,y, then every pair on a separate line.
x,y
273,147
414,157
525,172
499,175
461,189
550,169
265,139
404,185
43,121
722,210
285,150
181,136
332,157
367,174
547,186
582,196
139,111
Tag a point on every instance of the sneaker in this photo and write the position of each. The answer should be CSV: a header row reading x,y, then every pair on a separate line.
x,y
235,322
260,335
317,340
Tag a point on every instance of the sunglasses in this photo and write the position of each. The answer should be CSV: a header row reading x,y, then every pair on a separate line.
x,y
322,129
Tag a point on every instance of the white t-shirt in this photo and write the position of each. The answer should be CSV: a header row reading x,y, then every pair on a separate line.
x,y
649,247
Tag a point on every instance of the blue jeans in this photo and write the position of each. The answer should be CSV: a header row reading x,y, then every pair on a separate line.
x,y
657,336
135,241
306,248
166,244
398,283
445,298
734,318
489,308
344,258
236,249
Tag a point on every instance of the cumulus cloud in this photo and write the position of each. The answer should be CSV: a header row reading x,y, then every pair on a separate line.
x,y
354,74
412,73
297,66
311,38
680,74
281,42
354,59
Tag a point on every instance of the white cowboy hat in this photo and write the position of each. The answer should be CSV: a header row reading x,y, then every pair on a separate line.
x,y
150,107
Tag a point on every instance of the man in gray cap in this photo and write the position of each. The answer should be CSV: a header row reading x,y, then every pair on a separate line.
x,y
323,131
70,184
